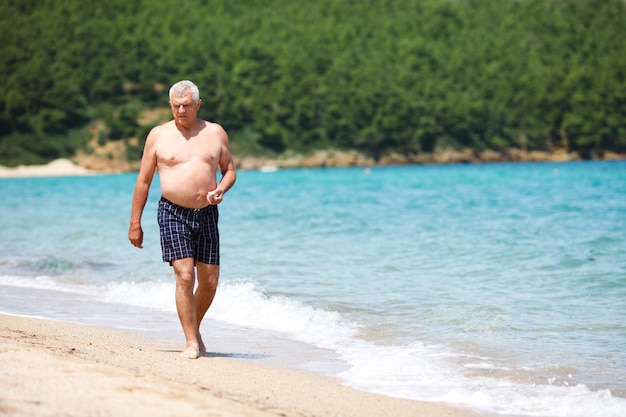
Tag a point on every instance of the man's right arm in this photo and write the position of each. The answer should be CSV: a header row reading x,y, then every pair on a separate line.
x,y
142,187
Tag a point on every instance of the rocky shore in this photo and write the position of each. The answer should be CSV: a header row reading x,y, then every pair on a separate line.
x,y
104,163
332,158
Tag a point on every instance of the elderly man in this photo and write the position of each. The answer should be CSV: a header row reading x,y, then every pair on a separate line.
x,y
187,152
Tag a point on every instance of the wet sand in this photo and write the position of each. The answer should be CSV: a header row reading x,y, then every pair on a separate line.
x,y
64,369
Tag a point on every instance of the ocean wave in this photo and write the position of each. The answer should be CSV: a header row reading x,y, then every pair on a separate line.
x,y
419,371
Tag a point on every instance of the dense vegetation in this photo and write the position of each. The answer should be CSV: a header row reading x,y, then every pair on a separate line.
x,y
407,76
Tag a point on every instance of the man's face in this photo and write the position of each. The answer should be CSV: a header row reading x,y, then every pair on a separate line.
x,y
185,110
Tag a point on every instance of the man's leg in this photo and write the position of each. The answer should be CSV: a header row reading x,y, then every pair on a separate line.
x,y
186,305
208,277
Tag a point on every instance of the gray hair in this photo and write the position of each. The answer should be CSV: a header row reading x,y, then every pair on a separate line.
x,y
184,87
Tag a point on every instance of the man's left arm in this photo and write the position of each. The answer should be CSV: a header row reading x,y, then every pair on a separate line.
x,y
229,175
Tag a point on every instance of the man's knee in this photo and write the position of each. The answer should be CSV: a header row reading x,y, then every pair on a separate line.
x,y
185,279
208,274
184,273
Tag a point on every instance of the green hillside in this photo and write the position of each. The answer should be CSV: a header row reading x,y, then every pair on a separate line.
x,y
406,76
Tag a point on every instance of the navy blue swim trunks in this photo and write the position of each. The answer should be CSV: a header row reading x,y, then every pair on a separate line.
x,y
189,233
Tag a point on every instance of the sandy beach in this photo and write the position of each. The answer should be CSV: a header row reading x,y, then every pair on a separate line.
x,y
59,167
53,368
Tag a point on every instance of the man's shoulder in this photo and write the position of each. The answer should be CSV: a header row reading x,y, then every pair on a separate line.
x,y
212,125
170,124
163,127
213,128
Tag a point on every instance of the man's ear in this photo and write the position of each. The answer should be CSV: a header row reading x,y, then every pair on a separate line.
x,y
199,103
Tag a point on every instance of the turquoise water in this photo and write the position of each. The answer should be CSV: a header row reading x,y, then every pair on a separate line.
x,y
499,287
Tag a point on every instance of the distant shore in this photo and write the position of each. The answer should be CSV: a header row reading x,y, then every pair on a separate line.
x,y
59,167
333,158
326,158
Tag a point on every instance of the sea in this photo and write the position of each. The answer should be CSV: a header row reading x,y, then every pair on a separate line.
x,y
496,287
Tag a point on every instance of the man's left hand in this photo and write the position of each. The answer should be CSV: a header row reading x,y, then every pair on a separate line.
x,y
214,197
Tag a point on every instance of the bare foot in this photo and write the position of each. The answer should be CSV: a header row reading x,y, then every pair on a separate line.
x,y
192,352
201,345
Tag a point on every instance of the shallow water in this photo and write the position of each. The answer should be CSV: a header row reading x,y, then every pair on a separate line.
x,y
499,287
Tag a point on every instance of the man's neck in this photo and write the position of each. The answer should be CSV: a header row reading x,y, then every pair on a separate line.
x,y
187,127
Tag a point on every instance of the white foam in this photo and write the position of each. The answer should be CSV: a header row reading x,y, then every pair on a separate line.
x,y
244,305
39,282
485,366
421,372
416,371
153,295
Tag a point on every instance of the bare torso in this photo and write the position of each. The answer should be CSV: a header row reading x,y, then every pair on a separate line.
x,y
187,162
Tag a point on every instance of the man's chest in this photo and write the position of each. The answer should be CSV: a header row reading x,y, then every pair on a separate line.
x,y
177,150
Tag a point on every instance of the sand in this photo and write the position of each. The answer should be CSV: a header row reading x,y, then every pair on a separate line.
x,y
57,168
53,368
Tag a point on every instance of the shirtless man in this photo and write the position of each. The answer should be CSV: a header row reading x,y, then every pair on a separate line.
x,y
187,153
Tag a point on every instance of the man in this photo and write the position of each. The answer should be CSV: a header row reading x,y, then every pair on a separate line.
x,y
187,153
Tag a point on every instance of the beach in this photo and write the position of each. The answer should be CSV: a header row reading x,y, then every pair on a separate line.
x,y
494,289
63,369
58,167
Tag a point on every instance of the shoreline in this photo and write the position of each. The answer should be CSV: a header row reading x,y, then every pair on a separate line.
x,y
59,368
319,159
335,158
57,168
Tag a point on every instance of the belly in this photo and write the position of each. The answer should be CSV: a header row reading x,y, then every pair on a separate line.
x,y
187,187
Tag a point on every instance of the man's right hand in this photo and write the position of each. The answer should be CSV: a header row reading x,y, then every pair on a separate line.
x,y
135,235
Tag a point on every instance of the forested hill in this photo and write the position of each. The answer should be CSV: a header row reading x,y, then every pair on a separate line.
x,y
405,76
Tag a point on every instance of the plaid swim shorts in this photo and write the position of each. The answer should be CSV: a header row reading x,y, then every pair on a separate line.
x,y
189,233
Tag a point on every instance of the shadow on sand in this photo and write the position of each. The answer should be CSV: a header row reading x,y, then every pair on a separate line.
x,y
225,355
